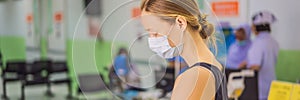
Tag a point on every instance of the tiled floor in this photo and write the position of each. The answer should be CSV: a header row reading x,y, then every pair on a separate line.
x,y
34,92
38,92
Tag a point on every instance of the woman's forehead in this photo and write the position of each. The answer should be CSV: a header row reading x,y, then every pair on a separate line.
x,y
148,17
151,22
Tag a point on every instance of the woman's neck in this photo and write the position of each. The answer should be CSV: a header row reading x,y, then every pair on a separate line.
x,y
195,50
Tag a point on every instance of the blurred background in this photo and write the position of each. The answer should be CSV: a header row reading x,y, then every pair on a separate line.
x,y
79,43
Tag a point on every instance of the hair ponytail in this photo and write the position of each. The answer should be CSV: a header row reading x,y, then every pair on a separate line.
x,y
207,32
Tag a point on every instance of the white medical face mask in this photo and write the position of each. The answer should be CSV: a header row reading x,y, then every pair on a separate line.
x,y
242,43
161,46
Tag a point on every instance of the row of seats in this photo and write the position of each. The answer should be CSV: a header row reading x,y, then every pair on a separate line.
x,y
38,72
41,72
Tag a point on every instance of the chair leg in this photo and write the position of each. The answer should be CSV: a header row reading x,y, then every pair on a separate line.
x,y
70,91
23,92
4,96
49,92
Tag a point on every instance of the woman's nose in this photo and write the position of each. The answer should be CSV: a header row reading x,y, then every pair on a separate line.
x,y
151,34
154,34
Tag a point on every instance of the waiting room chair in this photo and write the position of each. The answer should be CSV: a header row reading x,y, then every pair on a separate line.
x,y
59,68
11,73
35,74
115,83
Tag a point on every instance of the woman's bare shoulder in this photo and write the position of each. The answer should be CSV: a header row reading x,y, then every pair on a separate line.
x,y
197,71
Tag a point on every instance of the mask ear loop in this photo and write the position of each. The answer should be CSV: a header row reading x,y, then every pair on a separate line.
x,y
181,40
170,30
181,43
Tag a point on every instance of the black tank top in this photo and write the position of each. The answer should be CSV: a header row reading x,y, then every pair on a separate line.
x,y
220,79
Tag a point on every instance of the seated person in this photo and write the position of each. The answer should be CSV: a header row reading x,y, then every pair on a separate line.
x,y
121,64
124,73
237,53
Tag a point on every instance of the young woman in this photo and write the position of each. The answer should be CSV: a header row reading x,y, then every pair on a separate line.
x,y
177,28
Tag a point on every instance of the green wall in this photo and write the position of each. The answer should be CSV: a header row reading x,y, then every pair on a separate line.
x,y
12,47
44,48
288,66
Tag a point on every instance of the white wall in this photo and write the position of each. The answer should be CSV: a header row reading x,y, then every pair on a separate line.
x,y
77,20
2,21
74,11
286,30
57,38
12,19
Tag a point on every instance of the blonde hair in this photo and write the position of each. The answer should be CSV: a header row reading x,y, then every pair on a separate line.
x,y
168,10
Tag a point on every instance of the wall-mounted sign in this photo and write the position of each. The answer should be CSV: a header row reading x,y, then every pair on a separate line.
x,y
225,8
135,12
30,27
29,18
58,17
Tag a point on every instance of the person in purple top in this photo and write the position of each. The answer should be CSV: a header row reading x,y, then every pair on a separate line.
x,y
237,53
263,53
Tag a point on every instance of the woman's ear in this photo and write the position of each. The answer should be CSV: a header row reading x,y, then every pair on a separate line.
x,y
181,23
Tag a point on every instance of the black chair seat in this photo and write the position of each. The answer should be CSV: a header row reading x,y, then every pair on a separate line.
x,y
58,67
35,82
61,81
11,79
59,70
